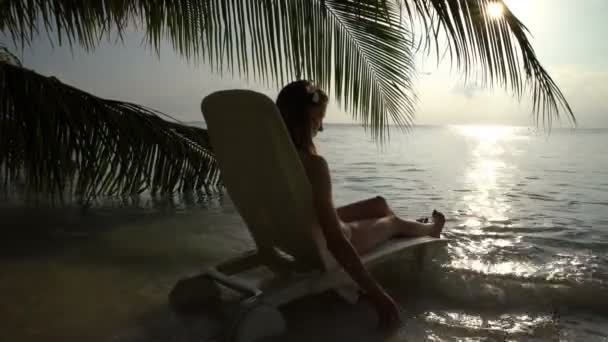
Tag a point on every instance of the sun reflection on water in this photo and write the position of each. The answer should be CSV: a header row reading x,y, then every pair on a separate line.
x,y
515,325
487,202
489,177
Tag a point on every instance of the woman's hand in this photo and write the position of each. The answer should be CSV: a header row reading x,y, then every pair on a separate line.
x,y
388,312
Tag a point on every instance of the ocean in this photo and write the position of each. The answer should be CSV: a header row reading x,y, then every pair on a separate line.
x,y
527,219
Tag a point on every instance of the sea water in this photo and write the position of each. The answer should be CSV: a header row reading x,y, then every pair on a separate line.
x,y
527,219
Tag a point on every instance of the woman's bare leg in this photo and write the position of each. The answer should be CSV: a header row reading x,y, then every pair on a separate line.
x,y
367,234
375,207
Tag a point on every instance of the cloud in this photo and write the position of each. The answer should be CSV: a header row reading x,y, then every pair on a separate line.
x,y
467,90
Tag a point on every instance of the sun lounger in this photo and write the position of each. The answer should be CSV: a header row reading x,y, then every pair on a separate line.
x,y
264,178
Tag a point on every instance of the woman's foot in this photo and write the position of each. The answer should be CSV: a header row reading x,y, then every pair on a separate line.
x,y
438,223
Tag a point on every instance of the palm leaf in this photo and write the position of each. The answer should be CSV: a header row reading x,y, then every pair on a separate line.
x,y
60,141
361,48
6,56
500,45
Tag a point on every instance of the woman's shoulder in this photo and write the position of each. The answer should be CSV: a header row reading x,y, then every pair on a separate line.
x,y
313,161
316,168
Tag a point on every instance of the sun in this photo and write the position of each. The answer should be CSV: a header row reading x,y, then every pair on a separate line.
x,y
495,10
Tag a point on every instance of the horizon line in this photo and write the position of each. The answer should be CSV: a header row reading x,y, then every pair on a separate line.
x,y
438,125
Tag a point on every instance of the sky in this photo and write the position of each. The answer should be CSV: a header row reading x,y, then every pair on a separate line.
x,y
568,36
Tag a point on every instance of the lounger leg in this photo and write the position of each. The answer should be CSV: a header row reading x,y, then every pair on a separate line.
x,y
255,321
252,318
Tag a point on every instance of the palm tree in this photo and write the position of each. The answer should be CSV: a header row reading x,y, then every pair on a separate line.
x,y
362,50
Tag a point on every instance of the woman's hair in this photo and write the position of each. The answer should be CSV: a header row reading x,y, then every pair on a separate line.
x,y
294,102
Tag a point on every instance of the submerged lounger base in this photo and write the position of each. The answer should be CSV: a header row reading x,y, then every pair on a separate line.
x,y
284,289
257,315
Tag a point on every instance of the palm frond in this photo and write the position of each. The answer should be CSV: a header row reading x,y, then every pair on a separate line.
x,y
499,45
363,56
6,56
359,48
60,141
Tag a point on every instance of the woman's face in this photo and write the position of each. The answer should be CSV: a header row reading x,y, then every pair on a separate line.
x,y
317,114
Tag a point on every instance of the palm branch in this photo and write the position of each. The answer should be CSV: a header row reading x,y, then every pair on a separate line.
x,y
6,56
59,140
361,49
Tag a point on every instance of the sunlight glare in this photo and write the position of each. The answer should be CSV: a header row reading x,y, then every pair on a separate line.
x,y
495,10
488,168
517,7
487,133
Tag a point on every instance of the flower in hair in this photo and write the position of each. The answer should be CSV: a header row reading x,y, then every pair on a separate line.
x,y
313,90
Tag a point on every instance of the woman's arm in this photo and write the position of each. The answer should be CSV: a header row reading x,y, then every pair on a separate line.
x,y
339,245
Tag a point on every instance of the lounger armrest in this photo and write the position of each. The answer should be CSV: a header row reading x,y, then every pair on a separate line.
x,y
246,261
236,284
396,246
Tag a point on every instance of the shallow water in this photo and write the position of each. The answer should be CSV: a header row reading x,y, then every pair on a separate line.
x,y
527,260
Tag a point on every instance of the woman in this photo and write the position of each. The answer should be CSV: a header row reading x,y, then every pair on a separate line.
x,y
355,228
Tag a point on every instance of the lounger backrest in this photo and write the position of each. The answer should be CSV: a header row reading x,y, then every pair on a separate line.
x,y
262,171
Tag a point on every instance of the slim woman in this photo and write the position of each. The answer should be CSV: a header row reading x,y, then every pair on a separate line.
x,y
356,228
